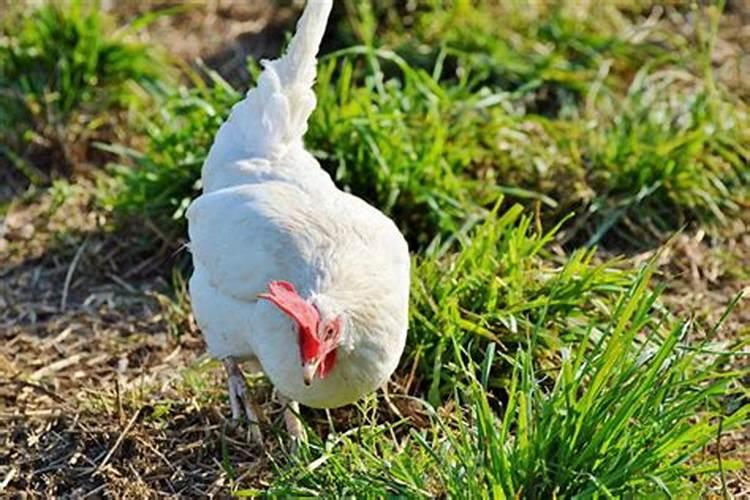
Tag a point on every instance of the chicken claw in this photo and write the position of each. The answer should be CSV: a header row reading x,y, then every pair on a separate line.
x,y
239,401
293,424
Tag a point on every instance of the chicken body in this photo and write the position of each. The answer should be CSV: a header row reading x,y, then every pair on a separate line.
x,y
269,212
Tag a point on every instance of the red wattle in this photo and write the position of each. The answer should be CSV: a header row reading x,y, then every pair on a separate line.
x,y
327,364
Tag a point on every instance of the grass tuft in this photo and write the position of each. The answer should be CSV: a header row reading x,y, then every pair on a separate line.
x,y
627,413
63,77
492,284
674,153
158,183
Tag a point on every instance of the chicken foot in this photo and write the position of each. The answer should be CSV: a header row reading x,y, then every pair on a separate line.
x,y
239,401
292,422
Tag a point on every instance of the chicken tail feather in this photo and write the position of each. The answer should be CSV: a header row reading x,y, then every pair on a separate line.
x,y
273,116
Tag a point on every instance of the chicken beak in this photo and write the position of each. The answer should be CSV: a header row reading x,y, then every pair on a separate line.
x,y
309,370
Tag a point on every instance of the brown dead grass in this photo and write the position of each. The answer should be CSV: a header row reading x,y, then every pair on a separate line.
x,y
95,396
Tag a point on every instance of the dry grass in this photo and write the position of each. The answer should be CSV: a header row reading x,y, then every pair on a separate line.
x,y
95,395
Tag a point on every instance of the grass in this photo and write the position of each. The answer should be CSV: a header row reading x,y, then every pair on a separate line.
x,y
616,418
490,285
673,154
640,134
166,176
62,78
507,141
547,51
640,154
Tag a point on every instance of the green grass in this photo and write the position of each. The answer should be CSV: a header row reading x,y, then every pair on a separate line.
x,y
431,141
159,182
627,413
610,116
65,73
639,154
491,284
675,152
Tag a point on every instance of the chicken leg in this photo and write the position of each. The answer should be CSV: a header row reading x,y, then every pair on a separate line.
x,y
239,401
292,422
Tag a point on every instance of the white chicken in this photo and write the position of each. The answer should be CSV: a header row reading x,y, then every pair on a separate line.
x,y
291,272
